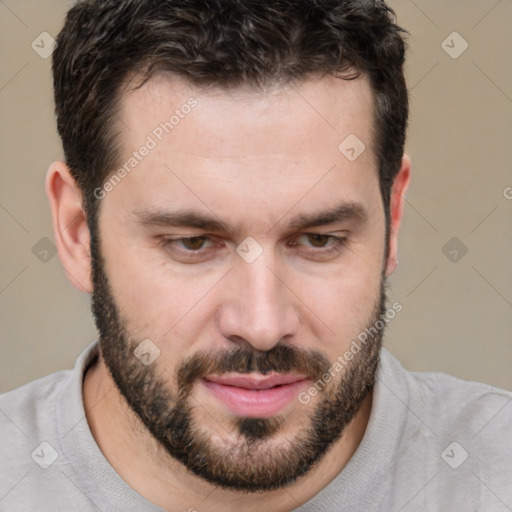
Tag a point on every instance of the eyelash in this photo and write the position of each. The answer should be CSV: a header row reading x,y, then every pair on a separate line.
x,y
337,245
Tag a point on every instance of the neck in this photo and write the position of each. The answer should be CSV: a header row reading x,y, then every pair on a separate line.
x,y
160,479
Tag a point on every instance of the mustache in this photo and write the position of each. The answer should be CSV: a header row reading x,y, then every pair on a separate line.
x,y
280,359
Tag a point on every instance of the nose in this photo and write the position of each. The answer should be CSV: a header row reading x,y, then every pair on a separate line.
x,y
258,310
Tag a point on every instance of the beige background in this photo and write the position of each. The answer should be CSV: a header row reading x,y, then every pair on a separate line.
x,y
456,318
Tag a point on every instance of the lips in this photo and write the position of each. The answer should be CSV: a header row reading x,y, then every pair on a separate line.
x,y
255,395
256,381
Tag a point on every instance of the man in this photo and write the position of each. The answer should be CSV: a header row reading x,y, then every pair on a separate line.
x,y
231,199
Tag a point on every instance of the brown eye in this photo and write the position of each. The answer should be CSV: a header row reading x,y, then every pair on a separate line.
x,y
192,249
318,240
193,243
190,244
318,245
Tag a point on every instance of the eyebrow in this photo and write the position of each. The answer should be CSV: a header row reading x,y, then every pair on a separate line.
x,y
344,212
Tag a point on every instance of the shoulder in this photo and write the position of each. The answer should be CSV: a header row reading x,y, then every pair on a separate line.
x,y
447,400
30,410
34,420
29,440
453,442
443,411
459,404
30,406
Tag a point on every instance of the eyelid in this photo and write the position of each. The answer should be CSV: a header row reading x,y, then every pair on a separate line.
x,y
212,237
167,240
337,243
171,245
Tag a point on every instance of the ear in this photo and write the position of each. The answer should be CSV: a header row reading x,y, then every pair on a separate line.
x,y
69,225
398,190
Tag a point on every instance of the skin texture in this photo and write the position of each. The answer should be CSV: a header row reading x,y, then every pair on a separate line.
x,y
254,160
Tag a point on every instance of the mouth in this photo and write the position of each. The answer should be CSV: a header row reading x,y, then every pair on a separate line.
x,y
255,395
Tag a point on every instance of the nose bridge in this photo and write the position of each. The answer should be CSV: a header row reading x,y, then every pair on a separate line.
x,y
259,310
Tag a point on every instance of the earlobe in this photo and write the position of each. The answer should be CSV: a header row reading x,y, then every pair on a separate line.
x,y
398,191
69,225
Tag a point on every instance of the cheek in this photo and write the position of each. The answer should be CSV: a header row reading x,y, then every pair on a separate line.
x,y
154,301
339,305
346,302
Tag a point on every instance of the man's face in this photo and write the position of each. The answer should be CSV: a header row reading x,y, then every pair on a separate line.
x,y
258,305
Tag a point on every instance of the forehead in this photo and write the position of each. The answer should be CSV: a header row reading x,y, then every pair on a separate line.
x,y
210,145
321,105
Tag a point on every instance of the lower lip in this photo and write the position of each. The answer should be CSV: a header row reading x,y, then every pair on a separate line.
x,y
255,403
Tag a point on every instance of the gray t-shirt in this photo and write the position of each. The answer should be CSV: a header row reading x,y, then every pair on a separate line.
x,y
433,443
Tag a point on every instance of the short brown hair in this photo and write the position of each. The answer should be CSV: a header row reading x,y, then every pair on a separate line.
x,y
224,43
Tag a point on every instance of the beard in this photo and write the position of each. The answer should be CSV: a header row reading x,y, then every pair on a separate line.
x,y
257,458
